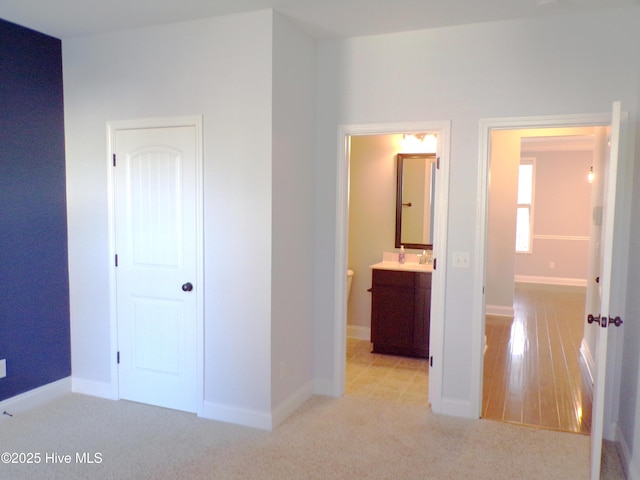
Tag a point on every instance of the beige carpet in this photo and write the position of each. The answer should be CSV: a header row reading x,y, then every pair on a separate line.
x,y
351,437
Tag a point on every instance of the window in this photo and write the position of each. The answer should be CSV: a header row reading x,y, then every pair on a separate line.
x,y
524,211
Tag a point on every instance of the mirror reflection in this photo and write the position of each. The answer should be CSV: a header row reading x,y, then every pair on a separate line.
x,y
415,199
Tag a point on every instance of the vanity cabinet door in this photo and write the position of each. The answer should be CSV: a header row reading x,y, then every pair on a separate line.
x,y
392,317
400,305
422,318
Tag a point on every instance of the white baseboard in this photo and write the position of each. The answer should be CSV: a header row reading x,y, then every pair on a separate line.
x,y
499,311
238,416
361,333
95,389
326,388
630,468
291,404
256,419
570,282
456,408
35,398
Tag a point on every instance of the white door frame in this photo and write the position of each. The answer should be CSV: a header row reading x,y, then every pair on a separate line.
x,y
436,342
164,122
486,126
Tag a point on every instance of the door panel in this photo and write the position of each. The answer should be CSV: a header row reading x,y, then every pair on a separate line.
x,y
603,293
156,326
155,202
156,245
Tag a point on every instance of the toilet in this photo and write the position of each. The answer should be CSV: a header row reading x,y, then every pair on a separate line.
x,y
349,281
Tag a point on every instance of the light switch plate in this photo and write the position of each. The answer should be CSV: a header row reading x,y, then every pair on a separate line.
x,y
461,260
3,368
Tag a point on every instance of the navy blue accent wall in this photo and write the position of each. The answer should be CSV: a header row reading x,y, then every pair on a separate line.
x,y
34,278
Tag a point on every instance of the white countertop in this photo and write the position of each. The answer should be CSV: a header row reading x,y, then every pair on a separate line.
x,y
402,267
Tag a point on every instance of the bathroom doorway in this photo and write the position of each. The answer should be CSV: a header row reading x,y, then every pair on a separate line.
x,y
358,331
372,224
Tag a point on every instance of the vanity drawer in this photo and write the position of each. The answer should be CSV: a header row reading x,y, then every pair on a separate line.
x,y
393,278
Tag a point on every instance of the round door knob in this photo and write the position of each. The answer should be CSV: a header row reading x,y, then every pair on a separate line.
x,y
187,287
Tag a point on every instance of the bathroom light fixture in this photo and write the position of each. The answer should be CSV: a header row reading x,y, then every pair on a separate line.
x,y
591,175
419,143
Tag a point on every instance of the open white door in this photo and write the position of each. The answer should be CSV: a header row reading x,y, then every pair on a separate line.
x,y
602,319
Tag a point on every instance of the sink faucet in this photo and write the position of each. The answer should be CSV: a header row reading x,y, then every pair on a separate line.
x,y
425,258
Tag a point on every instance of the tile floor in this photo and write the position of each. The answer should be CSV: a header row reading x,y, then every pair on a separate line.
x,y
398,379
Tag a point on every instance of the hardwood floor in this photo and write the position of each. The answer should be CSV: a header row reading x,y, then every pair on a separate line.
x,y
531,370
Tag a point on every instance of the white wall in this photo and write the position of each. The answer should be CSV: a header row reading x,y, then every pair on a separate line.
x,y
562,217
372,217
293,224
563,65
501,228
221,68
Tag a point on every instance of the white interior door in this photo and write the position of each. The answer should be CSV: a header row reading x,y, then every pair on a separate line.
x,y
156,245
604,317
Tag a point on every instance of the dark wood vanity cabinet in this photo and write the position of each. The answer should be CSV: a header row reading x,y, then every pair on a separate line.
x,y
401,312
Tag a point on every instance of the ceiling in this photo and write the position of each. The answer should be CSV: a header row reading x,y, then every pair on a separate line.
x,y
321,18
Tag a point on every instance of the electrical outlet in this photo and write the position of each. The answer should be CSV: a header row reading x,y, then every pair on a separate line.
x,y
3,368
552,265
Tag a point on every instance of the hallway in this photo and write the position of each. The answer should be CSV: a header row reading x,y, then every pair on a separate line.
x,y
532,374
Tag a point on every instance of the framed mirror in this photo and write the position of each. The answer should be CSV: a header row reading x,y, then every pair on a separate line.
x,y
415,189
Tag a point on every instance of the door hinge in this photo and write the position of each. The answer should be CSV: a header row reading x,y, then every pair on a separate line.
x,y
114,159
118,357
431,361
116,260
438,163
435,263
